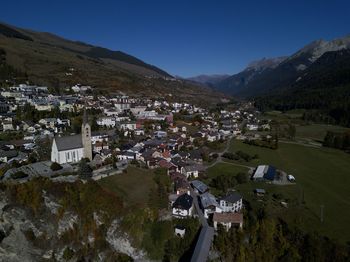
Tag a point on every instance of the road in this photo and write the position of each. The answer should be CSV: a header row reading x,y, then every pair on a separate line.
x,y
201,217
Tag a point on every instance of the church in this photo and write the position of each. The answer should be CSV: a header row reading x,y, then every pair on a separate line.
x,y
71,149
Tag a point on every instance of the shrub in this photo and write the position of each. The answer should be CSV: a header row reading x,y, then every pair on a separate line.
x,y
55,166
68,253
18,175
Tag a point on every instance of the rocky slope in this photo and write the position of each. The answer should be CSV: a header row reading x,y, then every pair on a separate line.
x,y
42,227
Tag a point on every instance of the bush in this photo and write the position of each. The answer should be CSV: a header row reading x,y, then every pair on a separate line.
x,y
68,253
241,178
55,166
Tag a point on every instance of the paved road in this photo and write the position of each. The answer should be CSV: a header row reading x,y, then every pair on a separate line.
x,y
201,217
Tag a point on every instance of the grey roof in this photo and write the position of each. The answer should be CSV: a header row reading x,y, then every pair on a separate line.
x,y
9,153
203,245
200,186
208,200
232,197
183,202
68,142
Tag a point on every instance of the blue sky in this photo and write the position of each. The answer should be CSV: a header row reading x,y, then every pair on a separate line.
x,y
188,38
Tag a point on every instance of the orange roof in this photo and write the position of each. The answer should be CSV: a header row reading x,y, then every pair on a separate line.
x,y
228,217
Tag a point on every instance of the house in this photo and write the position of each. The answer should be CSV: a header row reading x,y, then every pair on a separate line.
x,y
180,231
196,155
231,202
160,134
7,126
199,186
99,146
190,171
181,185
106,121
48,122
99,137
183,206
126,155
213,136
227,220
209,204
264,172
127,125
139,132
5,156
71,149
173,129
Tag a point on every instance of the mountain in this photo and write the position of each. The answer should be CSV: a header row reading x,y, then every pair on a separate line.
x,y
47,59
238,82
208,80
267,75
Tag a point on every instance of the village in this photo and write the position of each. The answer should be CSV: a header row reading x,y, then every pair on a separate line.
x,y
101,136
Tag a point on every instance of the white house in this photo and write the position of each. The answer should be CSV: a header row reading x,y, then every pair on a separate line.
x,y
231,202
190,171
209,204
106,121
183,206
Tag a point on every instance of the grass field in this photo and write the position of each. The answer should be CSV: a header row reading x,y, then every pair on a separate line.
x,y
316,131
133,187
323,175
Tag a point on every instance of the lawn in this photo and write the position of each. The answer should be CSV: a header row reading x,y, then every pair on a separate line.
x,y
133,187
322,176
222,169
317,132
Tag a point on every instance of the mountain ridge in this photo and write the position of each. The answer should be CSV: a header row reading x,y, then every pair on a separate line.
x,y
48,59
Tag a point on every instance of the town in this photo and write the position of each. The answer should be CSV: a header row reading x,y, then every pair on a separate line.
x,y
85,136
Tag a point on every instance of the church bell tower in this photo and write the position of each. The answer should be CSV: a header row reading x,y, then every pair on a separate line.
x,y
86,136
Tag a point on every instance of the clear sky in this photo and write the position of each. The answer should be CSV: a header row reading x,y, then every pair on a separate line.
x,y
187,37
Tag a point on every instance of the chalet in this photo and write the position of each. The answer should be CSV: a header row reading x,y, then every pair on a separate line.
x,y
99,146
181,186
183,206
126,155
190,171
99,137
48,122
170,167
227,220
5,156
231,202
173,129
106,121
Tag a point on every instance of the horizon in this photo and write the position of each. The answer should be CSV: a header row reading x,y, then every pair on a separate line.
x,y
183,43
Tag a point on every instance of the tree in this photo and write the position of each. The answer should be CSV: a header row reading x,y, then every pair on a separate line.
x,y
55,166
85,171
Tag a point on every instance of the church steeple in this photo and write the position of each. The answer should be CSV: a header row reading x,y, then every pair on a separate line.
x,y
86,136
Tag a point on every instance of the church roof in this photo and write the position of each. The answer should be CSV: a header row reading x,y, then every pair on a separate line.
x,y
68,142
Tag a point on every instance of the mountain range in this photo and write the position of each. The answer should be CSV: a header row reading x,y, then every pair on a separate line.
x,y
270,75
47,59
